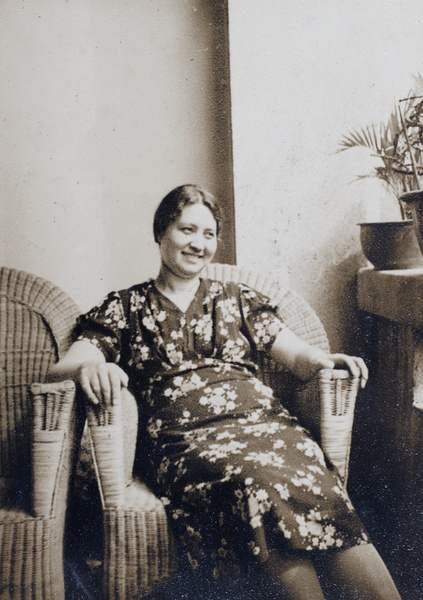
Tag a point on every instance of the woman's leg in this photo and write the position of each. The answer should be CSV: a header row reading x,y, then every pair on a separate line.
x,y
359,573
295,578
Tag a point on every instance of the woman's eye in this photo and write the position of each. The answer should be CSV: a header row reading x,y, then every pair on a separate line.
x,y
187,229
210,235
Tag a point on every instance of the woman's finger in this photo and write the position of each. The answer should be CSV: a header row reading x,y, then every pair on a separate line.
x,y
103,374
355,365
361,366
348,361
102,383
89,388
364,371
118,379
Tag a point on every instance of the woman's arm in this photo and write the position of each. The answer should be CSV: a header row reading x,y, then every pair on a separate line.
x,y
305,361
86,364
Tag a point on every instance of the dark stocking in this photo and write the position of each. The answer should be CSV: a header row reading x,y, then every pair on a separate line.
x,y
294,578
359,573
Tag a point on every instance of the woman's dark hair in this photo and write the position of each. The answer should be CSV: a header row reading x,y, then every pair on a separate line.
x,y
172,204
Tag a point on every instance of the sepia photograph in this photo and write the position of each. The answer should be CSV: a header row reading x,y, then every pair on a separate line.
x,y
211,300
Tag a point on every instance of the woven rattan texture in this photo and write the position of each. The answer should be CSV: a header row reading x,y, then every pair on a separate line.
x,y
139,550
36,318
145,535
294,310
31,560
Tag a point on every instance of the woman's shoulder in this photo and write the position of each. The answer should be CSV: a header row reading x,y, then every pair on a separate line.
x,y
138,288
215,287
246,296
229,285
136,295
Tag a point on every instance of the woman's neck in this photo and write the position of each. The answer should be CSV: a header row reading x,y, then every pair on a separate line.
x,y
172,284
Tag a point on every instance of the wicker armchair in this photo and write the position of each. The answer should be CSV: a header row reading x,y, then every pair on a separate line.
x,y
36,432
138,546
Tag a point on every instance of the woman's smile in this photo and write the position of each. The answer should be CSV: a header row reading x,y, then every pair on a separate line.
x,y
193,256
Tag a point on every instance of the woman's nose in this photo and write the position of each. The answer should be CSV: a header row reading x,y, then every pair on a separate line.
x,y
197,242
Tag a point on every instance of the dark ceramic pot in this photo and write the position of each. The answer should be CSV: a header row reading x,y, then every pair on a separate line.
x,y
414,201
391,245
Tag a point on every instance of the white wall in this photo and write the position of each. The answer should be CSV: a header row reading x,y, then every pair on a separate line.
x,y
104,107
302,75
107,105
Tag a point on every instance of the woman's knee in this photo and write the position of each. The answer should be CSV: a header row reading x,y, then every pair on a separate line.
x,y
294,575
359,572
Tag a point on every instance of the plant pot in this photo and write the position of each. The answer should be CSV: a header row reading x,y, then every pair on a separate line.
x,y
391,245
414,201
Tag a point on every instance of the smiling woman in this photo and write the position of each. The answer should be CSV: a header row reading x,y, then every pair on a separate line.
x,y
186,247
244,484
186,227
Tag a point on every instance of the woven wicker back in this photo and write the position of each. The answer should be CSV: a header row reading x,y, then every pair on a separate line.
x,y
293,309
36,318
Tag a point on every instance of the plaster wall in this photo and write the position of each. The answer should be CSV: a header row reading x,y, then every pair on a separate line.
x,y
105,106
302,75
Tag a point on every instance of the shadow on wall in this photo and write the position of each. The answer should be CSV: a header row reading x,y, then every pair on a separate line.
x,y
336,305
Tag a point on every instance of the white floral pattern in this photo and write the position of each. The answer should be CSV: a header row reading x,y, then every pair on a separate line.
x,y
235,470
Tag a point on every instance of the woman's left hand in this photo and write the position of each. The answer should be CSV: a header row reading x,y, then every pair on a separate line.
x,y
305,361
355,365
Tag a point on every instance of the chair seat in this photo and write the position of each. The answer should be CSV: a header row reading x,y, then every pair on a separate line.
x,y
14,516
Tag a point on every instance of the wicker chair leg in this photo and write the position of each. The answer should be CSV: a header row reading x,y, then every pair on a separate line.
x,y
37,571
138,551
139,554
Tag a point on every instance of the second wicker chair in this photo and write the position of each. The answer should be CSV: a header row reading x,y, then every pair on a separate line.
x,y
36,436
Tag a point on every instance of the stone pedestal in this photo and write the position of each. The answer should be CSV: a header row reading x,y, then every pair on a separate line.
x,y
396,297
394,466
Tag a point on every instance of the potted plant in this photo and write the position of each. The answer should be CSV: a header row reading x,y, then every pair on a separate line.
x,y
398,144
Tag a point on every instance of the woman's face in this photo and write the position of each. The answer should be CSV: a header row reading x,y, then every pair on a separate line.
x,y
190,242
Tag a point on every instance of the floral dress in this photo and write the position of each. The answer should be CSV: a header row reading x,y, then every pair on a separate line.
x,y
237,473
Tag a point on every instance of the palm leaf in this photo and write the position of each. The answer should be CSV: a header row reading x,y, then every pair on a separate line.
x,y
386,142
367,137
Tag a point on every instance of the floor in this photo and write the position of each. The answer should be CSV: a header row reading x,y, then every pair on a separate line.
x,y
401,550
81,584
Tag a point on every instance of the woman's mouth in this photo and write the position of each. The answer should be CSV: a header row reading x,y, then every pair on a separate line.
x,y
191,256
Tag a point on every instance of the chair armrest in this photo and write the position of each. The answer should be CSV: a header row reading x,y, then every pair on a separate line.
x,y
113,433
138,547
105,427
52,427
325,405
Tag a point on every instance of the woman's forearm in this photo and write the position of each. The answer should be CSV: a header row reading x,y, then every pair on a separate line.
x,y
85,364
303,360
70,365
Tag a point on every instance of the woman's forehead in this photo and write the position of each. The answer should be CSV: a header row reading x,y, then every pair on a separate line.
x,y
199,214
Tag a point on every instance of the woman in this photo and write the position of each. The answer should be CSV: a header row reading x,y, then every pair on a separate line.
x,y
242,481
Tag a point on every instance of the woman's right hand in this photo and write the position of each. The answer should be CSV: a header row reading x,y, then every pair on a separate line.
x,y
102,382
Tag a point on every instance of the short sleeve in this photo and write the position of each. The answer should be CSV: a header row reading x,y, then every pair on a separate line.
x,y
260,317
103,326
